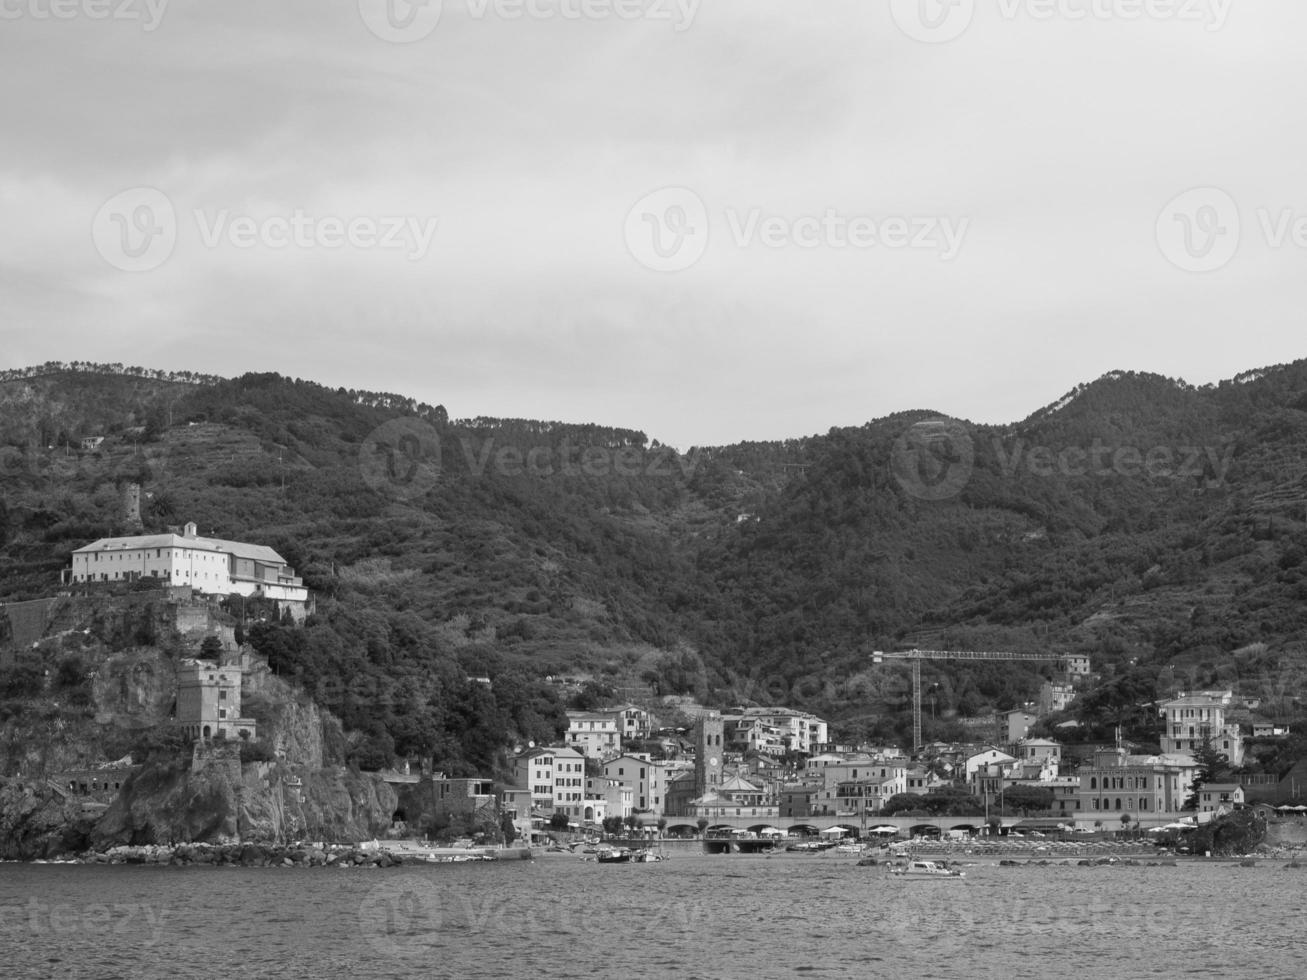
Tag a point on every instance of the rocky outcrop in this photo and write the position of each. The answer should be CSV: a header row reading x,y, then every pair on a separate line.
x,y
129,648
37,822
289,721
135,689
220,800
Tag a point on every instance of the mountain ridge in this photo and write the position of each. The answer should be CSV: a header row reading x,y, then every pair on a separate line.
x,y
785,559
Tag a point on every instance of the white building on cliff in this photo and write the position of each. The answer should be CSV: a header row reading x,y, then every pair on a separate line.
x,y
210,565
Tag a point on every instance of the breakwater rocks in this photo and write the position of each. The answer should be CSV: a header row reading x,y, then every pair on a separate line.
x,y
1098,862
293,856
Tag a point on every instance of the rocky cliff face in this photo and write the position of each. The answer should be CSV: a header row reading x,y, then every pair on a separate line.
x,y
220,801
298,732
38,822
128,650
127,694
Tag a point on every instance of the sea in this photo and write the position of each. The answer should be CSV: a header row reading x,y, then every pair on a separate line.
x,y
715,917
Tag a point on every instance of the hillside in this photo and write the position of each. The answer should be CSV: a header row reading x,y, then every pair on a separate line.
x,y
1146,522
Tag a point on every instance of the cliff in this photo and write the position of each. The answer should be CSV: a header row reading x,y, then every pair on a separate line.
x,y
219,800
37,821
101,684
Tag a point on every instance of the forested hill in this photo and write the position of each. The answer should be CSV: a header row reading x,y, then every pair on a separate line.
x,y
1139,519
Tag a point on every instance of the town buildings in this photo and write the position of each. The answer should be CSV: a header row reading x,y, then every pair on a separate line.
x,y
556,778
645,777
594,734
633,722
1055,697
742,766
1197,717
1219,798
778,730
1118,784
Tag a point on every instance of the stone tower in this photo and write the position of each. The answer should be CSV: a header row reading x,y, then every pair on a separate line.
x,y
132,505
708,753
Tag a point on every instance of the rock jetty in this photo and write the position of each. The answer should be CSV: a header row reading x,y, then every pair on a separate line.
x,y
291,855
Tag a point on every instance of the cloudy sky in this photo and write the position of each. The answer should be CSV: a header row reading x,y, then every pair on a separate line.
x,y
715,221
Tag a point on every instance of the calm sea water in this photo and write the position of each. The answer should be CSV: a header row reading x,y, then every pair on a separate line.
x,y
693,916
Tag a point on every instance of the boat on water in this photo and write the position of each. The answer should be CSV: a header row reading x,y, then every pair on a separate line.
x,y
926,869
627,855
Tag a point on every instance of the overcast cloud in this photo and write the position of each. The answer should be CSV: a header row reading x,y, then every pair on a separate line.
x,y
845,208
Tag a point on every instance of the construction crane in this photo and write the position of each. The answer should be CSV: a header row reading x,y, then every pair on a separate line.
x,y
917,656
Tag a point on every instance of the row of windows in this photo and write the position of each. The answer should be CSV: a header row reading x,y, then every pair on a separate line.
x,y
158,553
1123,782
1198,713
1106,804
177,573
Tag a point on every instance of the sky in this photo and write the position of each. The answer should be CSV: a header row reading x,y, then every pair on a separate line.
x,y
710,220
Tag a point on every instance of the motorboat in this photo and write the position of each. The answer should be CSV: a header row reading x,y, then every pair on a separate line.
x,y
926,869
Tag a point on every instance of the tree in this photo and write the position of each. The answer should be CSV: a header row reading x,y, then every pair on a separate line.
x,y
211,648
904,803
1028,798
560,821
1211,764
508,828
592,696
702,824
1235,833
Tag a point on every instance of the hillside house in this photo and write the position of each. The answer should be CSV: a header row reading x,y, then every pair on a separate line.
x,y
1199,716
1219,798
594,734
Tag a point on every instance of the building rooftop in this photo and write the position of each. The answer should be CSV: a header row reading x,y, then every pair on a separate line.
x,y
240,549
1199,699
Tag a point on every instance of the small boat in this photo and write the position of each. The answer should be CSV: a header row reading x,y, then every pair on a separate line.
x,y
926,869
613,855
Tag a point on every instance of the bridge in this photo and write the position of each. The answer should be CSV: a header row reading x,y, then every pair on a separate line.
x,y
855,823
